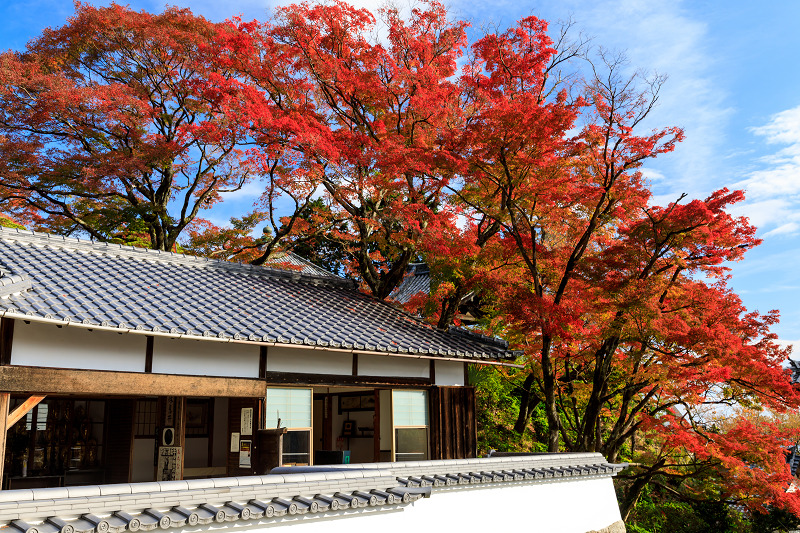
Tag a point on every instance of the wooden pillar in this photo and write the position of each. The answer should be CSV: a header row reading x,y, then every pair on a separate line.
x,y
327,422
376,424
6,336
5,400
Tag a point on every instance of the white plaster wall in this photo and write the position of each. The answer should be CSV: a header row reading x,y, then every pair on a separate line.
x,y
142,467
73,347
285,359
204,358
397,367
556,507
449,373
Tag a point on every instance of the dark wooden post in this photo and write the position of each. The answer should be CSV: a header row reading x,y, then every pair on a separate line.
x,y
5,400
6,336
376,424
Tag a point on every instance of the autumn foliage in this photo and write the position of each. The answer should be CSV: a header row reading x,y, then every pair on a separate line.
x,y
511,165
109,128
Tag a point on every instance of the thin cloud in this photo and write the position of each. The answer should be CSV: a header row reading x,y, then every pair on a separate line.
x,y
775,188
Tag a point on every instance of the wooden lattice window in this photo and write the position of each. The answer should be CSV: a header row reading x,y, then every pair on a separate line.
x,y
144,423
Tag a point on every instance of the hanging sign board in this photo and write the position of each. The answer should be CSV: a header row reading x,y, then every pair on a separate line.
x,y
234,442
169,413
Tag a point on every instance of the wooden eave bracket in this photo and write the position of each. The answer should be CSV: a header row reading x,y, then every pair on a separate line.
x,y
22,410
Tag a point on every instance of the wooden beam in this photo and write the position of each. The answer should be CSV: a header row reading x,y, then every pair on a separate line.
x,y
376,427
148,355
5,400
38,380
296,378
6,336
22,410
355,364
262,362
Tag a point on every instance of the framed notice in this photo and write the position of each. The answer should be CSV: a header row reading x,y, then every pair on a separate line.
x,y
234,442
247,421
169,463
245,447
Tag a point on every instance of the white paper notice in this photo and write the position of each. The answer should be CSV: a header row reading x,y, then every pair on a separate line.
x,y
247,421
234,442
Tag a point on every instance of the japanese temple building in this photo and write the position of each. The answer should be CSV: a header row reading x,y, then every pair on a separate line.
x,y
144,390
122,365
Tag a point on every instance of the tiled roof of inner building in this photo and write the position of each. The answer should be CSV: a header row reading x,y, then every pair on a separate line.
x,y
416,281
48,277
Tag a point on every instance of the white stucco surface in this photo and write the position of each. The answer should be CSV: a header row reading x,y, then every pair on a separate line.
x,y
72,347
398,367
554,507
198,358
449,373
282,359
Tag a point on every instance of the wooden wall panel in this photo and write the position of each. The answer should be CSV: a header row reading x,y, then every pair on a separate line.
x,y
453,426
235,406
6,336
119,440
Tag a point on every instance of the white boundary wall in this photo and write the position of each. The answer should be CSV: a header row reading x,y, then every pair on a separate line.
x,y
561,493
577,506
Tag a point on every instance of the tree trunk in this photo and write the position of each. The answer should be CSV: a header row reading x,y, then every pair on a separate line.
x,y
636,488
550,407
632,496
450,307
527,404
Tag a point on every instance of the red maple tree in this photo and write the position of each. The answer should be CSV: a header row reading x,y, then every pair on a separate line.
x,y
105,131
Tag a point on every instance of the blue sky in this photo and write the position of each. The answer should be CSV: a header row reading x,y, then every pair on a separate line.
x,y
733,87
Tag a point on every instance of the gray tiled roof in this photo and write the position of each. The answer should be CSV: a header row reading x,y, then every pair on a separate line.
x,y
292,261
315,491
192,503
416,281
49,277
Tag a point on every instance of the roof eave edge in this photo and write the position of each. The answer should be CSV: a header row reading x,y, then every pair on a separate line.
x,y
57,322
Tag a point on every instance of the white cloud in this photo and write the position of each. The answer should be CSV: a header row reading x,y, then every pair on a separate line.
x,y
652,175
783,128
764,213
775,188
785,229
663,38
250,191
